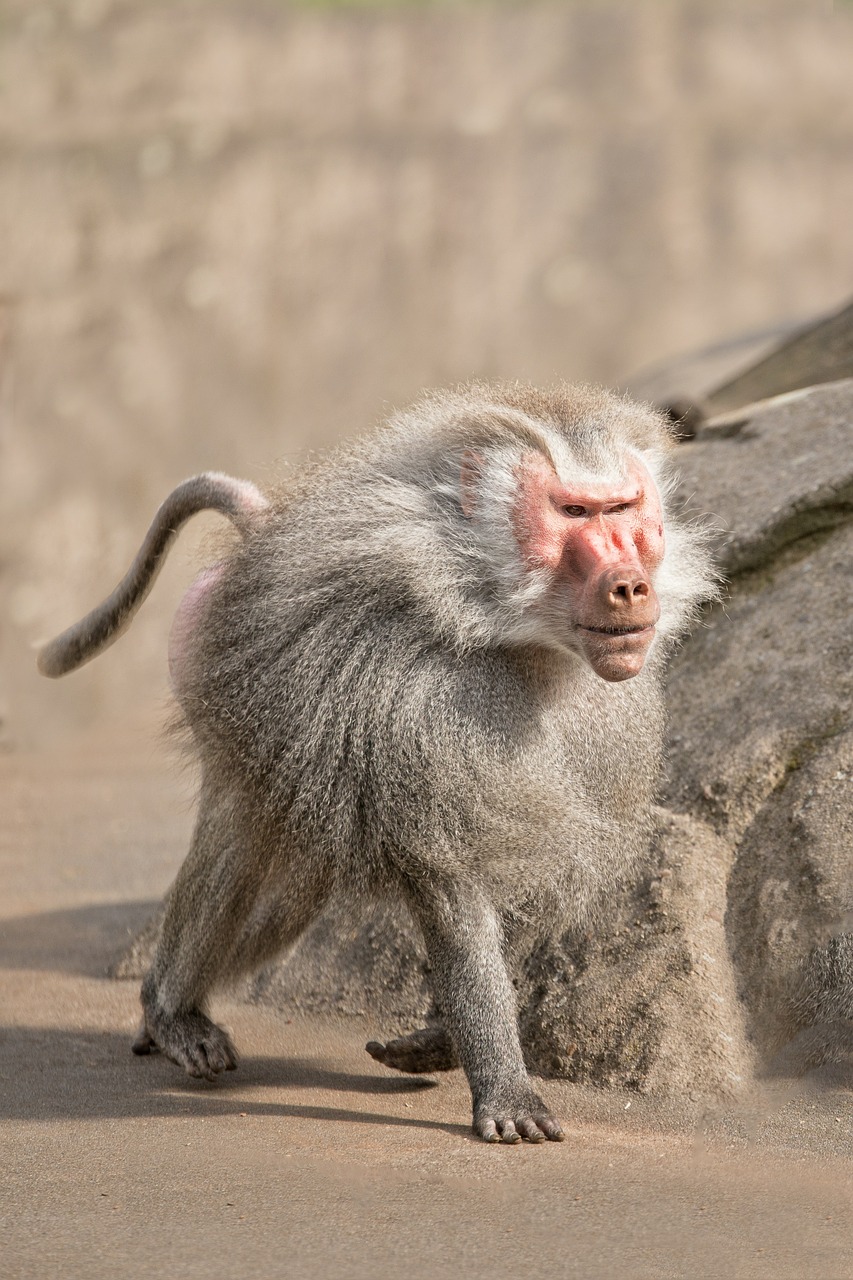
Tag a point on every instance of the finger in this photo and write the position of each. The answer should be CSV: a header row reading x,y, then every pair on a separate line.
x,y
488,1130
508,1131
529,1129
551,1127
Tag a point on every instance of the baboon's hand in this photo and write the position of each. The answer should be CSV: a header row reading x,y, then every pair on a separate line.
x,y
192,1041
514,1118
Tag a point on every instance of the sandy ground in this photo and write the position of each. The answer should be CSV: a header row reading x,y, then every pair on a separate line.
x,y
311,1161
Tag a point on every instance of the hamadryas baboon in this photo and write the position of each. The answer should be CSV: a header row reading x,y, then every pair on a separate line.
x,y
429,668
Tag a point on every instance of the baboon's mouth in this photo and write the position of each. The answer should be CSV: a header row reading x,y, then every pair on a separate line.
x,y
620,631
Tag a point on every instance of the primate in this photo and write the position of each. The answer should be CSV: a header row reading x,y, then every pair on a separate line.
x,y
429,668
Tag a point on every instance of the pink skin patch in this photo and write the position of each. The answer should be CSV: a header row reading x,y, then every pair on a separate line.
x,y
186,619
602,543
251,498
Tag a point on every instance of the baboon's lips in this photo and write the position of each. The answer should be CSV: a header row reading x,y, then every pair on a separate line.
x,y
640,629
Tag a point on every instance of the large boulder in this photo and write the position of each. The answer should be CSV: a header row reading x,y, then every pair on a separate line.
x,y
730,955
752,367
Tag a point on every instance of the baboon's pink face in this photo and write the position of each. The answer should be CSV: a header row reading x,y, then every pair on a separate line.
x,y
601,543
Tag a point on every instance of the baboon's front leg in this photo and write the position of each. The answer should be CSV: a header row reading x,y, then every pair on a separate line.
x,y
464,942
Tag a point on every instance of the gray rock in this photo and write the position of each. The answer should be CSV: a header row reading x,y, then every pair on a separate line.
x,y
694,377
773,473
819,352
762,713
652,1003
754,367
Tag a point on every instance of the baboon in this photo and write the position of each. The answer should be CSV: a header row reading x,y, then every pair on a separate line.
x,y
430,668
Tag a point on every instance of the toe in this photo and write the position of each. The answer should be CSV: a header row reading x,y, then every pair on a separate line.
x,y
215,1055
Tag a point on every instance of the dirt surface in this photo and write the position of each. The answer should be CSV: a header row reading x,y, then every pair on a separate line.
x,y
312,1161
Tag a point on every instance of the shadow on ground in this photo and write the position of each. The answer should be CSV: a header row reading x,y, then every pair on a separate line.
x,y
76,940
92,1075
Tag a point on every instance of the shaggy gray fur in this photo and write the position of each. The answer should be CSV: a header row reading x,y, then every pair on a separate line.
x,y
381,699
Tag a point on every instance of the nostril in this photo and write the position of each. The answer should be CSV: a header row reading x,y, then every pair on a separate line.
x,y
628,591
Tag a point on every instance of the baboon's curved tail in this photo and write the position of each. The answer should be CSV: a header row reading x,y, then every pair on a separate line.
x,y
237,499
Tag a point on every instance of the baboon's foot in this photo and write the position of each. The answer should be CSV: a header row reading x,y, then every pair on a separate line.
x,y
191,1040
424,1051
514,1116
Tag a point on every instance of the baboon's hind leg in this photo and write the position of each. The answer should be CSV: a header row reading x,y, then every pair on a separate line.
x,y
419,1053
214,928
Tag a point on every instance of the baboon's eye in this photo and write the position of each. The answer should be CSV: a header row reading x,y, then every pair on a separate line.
x,y
574,509
620,506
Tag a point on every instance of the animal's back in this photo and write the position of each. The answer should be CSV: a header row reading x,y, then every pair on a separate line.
x,y
377,747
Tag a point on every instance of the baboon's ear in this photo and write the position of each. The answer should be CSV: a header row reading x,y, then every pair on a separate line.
x,y
470,475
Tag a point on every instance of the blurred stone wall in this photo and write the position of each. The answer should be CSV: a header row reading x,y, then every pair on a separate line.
x,y
232,231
